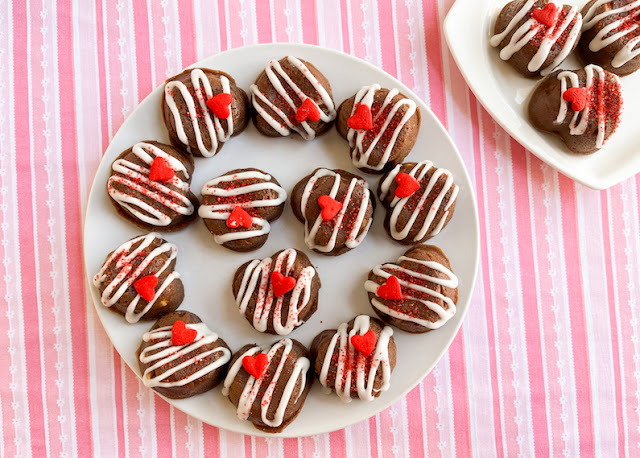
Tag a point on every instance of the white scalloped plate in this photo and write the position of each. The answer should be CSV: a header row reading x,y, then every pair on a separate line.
x,y
504,94
207,269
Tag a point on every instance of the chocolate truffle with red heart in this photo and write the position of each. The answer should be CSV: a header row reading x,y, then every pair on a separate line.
x,y
355,360
269,385
381,126
202,109
292,95
150,186
336,208
277,294
180,356
420,200
583,107
238,206
536,36
138,279
418,293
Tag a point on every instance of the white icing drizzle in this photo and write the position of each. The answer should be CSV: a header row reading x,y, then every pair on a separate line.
x,y
350,361
136,178
252,387
257,278
570,79
353,239
356,138
216,132
281,123
398,204
451,281
527,31
126,276
614,31
165,353
221,211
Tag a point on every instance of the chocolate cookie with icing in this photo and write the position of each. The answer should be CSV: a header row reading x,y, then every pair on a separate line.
x,y
277,294
536,36
292,95
269,385
150,186
336,208
583,107
202,109
420,200
418,293
611,35
180,356
356,360
238,206
138,279
381,126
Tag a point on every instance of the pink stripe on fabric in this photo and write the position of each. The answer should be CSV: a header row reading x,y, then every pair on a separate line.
x,y
460,395
263,15
373,435
309,21
385,19
132,389
26,237
261,447
414,418
337,443
187,33
578,326
247,445
346,43
431,19
211,436
180,420
290,447
386,435
529,298
429,404
224,43
235,24
163,427
101,73
143,48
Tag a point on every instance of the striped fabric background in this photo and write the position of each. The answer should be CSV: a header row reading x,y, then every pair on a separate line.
x,y
548,360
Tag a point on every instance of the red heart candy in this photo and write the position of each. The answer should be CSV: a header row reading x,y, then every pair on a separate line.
x,y
546,16
161,170
281,285
219,104
361,119
407,185
577,96
239,217
308,111
146,286
181,335
365,343
255,365
390,289
330,207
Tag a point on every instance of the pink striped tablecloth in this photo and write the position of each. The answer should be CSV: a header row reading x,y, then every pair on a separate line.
x,y
546,362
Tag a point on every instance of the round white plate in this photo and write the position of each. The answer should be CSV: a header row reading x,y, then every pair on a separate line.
x,y
504,94
207,269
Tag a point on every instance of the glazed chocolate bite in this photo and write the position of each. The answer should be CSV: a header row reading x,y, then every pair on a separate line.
x,y
138,279
238,206
583,107
292,95
536,36
150,186
611,35
180,356
356,360
420,200
202,109
269,385
336,208
277,294
417,294
381,126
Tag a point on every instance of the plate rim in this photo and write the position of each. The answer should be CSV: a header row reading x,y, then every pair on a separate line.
x,y
379,405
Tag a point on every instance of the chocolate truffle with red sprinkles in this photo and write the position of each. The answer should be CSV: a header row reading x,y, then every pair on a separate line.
x,y
150,186
381,126
202,109
277,294
269,385
536,36
180,356
238,206
583,107
336,208
355,361
418,293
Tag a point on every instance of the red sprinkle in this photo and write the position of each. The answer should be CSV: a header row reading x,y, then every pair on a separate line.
x,y
145,287
255,365
239,217
161,170
219,104
330,207
577,96
546,16
390,289
407,185
365,343
308,111
361,119
181,335
281,285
